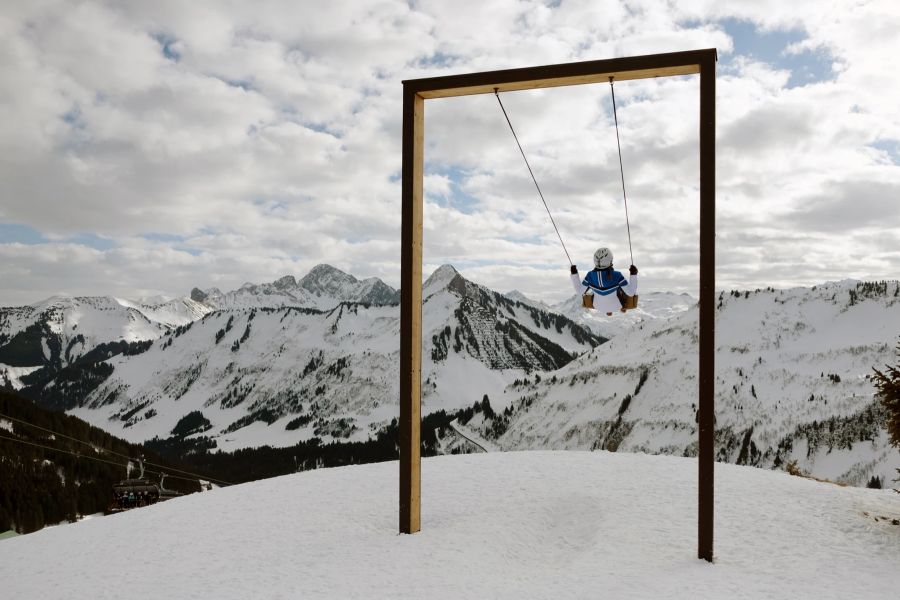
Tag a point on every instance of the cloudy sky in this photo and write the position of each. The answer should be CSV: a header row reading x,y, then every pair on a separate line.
x,y
150,147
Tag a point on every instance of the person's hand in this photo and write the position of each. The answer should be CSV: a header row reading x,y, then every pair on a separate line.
x,y
632,269
574,270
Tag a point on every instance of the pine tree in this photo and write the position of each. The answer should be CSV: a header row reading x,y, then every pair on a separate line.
x,y
888,385
486,407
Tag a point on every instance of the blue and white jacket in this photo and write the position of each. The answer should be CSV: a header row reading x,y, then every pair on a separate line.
x,y
604,284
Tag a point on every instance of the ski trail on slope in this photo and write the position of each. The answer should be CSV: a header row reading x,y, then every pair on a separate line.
x,y
469,435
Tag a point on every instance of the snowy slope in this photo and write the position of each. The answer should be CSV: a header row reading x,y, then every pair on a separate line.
x,y
792,383
172,313
653,306
278,376
518,296
513,525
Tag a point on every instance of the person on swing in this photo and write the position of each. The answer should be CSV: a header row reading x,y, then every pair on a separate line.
x,y
609,287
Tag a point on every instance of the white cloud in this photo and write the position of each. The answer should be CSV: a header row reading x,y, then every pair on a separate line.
x,y
264,138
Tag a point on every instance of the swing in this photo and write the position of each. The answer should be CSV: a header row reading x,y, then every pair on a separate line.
x,y
627,302
587,299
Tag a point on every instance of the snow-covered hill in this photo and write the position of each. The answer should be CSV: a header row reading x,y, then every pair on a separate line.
x,y
512,525
280,375
792,383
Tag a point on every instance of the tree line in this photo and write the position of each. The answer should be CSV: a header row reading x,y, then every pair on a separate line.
x,y
41,486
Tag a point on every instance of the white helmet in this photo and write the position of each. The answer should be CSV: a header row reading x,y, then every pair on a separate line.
x,y
603,258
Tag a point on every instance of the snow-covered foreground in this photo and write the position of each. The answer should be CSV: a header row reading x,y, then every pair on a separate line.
x,y
500,525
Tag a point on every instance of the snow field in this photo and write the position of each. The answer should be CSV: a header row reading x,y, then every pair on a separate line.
x,y
503,525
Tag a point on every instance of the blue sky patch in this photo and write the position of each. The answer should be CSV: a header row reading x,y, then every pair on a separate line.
x,y
176,242
244,84
457,199
12,233
16,233
770,47
74,118
438,59
277,206
167,43
92,240
321,128
892,147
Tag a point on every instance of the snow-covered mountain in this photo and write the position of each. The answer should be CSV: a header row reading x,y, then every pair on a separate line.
x,y
253,376
274,367
58,331
793,384
323,288
574,525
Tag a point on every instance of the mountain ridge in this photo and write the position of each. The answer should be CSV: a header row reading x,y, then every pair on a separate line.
x,y
278,374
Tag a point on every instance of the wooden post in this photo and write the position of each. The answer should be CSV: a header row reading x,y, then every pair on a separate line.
x,y
707,375
411,311
415,91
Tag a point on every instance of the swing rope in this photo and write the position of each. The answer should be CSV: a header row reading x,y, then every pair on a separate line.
x,y
497,94
621,168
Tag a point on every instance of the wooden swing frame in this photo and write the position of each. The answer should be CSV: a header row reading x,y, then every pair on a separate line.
x,y
415,93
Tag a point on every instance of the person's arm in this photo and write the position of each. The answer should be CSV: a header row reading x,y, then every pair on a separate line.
x,y
576,280
630,287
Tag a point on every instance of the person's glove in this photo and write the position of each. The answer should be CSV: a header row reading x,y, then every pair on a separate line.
x,y
632,269
574,270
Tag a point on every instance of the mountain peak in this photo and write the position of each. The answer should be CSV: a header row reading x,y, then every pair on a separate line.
x,y
326,270
442,275
325,280
198,295
286,282
520,297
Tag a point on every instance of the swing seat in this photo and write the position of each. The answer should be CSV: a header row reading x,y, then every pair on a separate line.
x,y
628,302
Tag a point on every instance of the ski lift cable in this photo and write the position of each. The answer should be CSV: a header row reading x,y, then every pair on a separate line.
x,y
113,452
497,94
94,458
621,168
29,443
